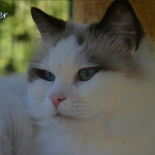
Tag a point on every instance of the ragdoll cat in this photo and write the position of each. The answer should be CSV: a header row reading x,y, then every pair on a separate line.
x,y
91,88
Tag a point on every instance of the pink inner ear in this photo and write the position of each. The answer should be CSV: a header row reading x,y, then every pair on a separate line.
x,y
56,99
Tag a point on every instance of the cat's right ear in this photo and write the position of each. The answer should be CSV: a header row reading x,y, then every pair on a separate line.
x,y
120,22
48,26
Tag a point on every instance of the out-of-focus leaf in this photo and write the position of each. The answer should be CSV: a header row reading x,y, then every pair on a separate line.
x,y
22,37
10,68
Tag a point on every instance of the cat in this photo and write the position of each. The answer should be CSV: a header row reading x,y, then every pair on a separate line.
x,y
91,88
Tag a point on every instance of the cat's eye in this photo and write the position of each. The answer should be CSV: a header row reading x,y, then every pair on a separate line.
x,y
49,76
40,73
86,74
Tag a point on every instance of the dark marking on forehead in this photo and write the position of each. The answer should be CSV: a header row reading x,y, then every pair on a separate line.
x,y
80,39
71,29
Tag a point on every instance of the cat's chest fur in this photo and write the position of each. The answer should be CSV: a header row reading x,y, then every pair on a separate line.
x,y
61,143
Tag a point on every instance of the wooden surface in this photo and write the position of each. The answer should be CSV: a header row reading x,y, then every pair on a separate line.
x,y
86,11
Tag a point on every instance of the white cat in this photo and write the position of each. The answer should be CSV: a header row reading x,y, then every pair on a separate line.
x,y
91,88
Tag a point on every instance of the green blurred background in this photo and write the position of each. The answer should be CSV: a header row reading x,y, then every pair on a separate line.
x,y
17,32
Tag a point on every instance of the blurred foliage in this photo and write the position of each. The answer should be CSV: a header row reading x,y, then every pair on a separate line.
x,y
18,33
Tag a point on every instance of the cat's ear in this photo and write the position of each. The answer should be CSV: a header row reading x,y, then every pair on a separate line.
x,y
120,21
47,25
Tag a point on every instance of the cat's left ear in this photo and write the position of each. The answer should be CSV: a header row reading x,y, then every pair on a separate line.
x,y
120,22
48,26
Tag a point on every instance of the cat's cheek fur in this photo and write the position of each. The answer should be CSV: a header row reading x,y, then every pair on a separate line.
x,y
37,90
40,106
107,97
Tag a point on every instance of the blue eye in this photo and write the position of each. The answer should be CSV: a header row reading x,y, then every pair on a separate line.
x,y
49,76
86,73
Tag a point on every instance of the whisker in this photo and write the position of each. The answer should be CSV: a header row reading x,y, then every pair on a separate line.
x,y
104,106
97,115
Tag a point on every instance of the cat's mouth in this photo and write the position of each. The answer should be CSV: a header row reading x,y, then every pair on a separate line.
x,y
70,118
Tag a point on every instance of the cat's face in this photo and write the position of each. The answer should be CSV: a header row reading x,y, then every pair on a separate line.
x,y
84,73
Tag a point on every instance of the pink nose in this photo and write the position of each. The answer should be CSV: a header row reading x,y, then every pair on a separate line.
x,y
56,99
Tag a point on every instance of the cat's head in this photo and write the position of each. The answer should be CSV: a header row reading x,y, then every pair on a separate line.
x,y
85,73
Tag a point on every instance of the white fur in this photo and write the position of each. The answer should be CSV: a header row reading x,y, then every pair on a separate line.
x,y
114,114
15,83
15,124
110,114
